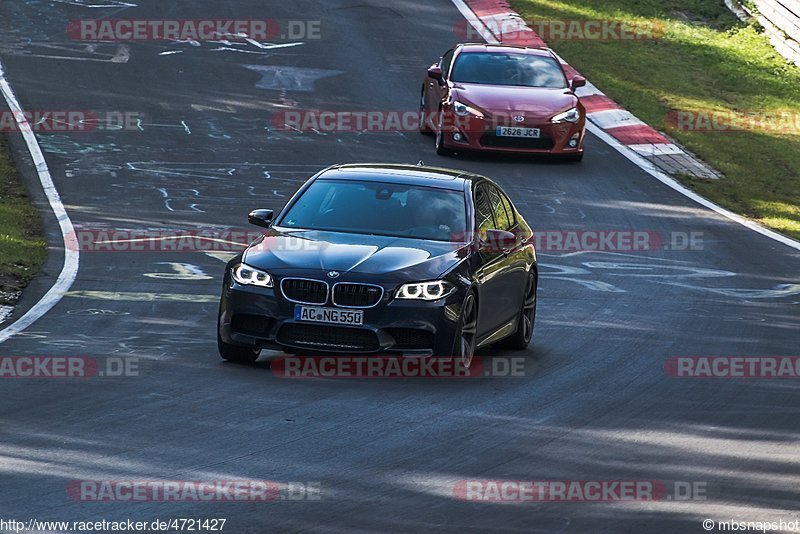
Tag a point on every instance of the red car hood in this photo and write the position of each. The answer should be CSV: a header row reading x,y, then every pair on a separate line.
x,y
534,102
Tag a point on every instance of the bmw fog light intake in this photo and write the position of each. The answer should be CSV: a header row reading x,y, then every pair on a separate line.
x,y
573,143
457,137
248,276
425,290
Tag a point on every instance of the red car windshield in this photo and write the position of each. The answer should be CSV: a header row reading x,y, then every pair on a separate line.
x,y
520,70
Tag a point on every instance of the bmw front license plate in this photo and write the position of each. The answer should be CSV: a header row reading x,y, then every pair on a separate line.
x,y
508,131
312,314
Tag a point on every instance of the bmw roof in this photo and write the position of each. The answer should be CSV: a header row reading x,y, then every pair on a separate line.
x,y
401,174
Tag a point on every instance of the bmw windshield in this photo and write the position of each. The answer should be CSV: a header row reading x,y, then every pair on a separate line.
x,y
376,208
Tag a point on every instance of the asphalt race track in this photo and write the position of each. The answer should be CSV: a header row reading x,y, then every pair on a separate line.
x,y
595,402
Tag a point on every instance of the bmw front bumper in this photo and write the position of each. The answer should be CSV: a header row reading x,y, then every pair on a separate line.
x,y
264,318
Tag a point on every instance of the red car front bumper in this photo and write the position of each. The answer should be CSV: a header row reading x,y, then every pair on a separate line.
x,y
476,133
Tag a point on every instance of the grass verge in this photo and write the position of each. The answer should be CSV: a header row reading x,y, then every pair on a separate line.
x,y
22,246
706,62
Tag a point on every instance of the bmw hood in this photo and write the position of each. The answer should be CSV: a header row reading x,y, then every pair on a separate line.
x,y
285,252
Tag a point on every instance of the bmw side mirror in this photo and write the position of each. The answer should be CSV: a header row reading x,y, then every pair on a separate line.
x,y
436,73
577,81
498,241
262,218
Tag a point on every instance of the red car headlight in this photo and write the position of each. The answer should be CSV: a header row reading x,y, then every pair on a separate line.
x,y
463,110
571,115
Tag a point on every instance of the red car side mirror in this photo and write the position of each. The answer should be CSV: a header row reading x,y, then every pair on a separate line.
x,y
577,81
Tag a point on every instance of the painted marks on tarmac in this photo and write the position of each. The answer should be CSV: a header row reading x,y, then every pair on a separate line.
x,y
572,274
188,188
180,271
95,52
32,28
608,276
242,45
63,145
204,171
144,296
97,4
228,135
190,194
181,125
159,343
776,292
655,269
279,78
94,312
223,171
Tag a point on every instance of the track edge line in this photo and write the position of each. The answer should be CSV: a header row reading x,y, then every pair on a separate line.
x,y
69,271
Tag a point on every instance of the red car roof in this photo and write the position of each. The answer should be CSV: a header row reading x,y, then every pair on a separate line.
x,y
482,47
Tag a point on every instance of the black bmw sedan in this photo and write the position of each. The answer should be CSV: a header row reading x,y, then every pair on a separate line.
x,y
390,259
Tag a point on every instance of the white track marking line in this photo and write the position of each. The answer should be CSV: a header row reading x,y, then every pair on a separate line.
x,y
476,22
71,254
656,149
669,181
613,118
640,161
588,90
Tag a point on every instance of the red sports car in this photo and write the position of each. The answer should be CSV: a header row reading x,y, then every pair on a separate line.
x,y
503,98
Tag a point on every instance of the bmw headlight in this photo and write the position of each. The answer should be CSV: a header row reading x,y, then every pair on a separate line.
x,y
571,115
247,276
463,110
425,290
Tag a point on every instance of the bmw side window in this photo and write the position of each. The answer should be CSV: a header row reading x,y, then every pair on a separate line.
x,y
509,209
447,60
483,211
501,216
